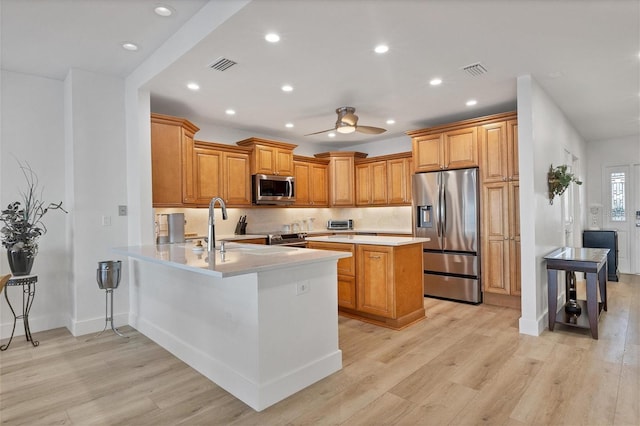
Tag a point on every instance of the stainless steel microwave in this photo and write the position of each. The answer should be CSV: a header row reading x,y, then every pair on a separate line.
x,y
271,189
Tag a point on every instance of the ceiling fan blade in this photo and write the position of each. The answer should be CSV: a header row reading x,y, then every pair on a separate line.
x,y
322,131
370,130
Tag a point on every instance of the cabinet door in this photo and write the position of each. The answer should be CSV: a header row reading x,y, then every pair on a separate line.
x,y
363,185
342,187
237,179
375,283
207,172
319,185
284,162
166,164
265,160
346,291
301,173
378,178
398,181
494,152
512,147
514,238
495,254
427,153
461,148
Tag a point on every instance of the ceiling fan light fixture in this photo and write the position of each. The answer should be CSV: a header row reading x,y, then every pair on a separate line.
x,y
345,129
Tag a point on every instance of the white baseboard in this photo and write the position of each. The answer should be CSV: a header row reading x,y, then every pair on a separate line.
x,y
94,325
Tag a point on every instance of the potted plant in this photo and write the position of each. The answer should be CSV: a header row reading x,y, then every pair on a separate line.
x,y
559,180
23,224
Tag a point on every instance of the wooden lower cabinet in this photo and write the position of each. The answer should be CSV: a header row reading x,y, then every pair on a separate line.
x,y
379,284
501,244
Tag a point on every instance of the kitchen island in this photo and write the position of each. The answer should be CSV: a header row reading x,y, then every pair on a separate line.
x,y
259,321
382,281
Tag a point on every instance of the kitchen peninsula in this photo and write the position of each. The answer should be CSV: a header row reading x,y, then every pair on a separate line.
x,y
259,321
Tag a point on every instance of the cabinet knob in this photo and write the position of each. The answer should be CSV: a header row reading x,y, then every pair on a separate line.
x,y
506,238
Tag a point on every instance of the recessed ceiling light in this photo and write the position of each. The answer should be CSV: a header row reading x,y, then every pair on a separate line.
x,y
471,102
162,10
230,112
332,135
287,88
391,121
272,38
288,125
381,48
436,82
193,86
130,46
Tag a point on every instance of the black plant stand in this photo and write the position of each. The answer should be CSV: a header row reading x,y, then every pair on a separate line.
x,y
28,283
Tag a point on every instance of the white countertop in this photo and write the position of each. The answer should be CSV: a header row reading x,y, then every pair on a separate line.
x,y
369,239
239,259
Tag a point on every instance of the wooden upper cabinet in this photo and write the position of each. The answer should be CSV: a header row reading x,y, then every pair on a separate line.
x,y
311,181
341,176
371,183
494,152
270,157
428,153
455,149
221,171
399,176
236,178
512,150
171,161
499,151
208,173
460,148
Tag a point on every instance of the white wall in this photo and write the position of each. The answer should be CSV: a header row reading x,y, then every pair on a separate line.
x,y
543,135
383,147
33,132
96,146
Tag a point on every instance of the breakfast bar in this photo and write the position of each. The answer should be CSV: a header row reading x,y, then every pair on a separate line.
x,y
259,321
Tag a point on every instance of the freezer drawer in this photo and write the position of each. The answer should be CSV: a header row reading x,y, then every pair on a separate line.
x,y
459,264
456,288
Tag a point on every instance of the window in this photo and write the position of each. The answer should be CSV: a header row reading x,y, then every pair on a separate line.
x,y
618,206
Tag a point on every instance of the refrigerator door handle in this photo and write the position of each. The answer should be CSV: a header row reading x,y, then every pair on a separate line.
x,y
444,211
440,209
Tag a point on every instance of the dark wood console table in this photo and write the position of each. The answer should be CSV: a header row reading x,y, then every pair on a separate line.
x,y
591,261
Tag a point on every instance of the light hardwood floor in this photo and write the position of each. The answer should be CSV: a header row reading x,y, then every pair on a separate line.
x,y
463,365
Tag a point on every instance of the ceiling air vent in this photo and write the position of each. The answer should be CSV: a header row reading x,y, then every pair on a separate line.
x,y
222,64
475,70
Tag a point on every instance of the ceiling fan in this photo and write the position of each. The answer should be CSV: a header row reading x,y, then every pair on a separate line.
x,y
348,123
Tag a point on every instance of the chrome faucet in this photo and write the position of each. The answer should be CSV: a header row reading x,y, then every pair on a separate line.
x,y
211,243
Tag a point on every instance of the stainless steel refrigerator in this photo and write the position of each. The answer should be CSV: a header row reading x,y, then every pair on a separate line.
x,y
445,209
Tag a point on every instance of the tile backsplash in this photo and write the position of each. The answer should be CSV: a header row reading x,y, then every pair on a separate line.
x,y
271,220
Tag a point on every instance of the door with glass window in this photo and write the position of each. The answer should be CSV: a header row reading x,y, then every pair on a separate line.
x,y
617,210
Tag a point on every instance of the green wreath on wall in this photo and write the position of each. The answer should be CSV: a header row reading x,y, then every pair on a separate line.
x,y
559,180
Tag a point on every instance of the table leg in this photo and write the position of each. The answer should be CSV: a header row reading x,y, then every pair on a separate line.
x,y
602,280
592,303
28,294
15,318
552,283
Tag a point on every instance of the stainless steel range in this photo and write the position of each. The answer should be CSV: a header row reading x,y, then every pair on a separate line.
x,y
291,240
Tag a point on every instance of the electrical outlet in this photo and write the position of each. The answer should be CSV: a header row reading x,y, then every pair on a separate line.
x,y
122,210
302,287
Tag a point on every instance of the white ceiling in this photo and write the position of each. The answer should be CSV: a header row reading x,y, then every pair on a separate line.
x,y
583,53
